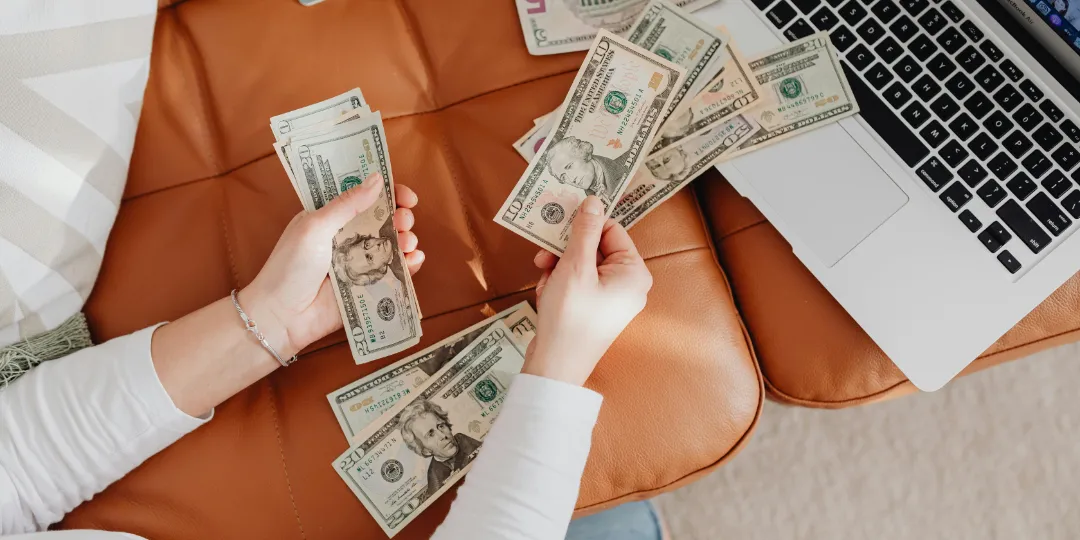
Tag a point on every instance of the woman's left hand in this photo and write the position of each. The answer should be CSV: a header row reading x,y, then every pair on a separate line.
x,y
292,298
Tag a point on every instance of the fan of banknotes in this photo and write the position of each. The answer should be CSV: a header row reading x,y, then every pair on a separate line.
x,y
676,94
326,149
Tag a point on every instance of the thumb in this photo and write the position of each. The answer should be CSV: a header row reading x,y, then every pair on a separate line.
x,y
586,232
341,210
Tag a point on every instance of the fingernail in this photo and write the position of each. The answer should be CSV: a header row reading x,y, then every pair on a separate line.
x,y
592,205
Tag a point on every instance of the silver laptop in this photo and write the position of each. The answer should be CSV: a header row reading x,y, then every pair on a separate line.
x,y
944,212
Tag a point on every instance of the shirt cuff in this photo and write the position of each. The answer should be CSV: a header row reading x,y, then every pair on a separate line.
x,y
137,366
554,397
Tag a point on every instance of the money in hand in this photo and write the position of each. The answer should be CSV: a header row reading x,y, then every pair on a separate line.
x,y
602,133
805,87
358,404
329,148
665,173
407,458
732,90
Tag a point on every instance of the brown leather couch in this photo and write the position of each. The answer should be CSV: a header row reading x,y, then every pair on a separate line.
x,y
206,199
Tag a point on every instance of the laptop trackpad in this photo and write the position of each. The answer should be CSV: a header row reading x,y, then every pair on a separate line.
x,y
827,190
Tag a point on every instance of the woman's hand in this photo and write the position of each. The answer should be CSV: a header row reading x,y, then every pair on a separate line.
x,y
292,299
587,298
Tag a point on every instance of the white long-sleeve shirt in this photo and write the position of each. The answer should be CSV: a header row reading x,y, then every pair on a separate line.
x,y
73,426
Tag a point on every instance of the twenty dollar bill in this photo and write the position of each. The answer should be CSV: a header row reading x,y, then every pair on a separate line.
x,y
601,135
426,443
358,404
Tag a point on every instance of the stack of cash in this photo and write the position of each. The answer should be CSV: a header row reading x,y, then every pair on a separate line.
x,y
724,106
416,426
326,149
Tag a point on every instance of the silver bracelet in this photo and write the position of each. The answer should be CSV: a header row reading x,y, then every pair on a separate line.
x,y
250,325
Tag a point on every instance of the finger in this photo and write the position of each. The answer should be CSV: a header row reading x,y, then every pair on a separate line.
x,y
542,282
585,234
545,260
406,197
404,219
615,239
341,210
414,260
408,241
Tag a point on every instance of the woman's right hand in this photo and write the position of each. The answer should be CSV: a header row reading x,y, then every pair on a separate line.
x,y
586,298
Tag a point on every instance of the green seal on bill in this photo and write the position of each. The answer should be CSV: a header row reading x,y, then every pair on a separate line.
x,y
790,88
350,182
665,54
615,102
486,391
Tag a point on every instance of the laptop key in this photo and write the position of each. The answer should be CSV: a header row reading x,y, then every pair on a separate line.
x,y
989,78
998,124
914,7
970,59
1031,90
1023,226
991,193
923,48
955,196
1027,117
903,28
1051,110
941,66
932,21
1047,136
870,31
1008,98
982,146
1071,202
1056,184
926,88
972,173
951,40
896,95
1071,130
972,31
934,133
907,69
945,107
852,12
991,51
806,6
878,77
1011,71
835,3
885,10
1048,213
1001,166
842,38
860,57
934,174
953,153
970,221
963,126
763,4
979,105
888,50
1021,186
989,240
824,19
888,126
1037,164
781,14
1017,144
960,85
1066,156
1008,261
951,11
798,30
916,114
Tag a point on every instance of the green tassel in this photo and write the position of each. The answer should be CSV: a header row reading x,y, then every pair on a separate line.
x,y
21,357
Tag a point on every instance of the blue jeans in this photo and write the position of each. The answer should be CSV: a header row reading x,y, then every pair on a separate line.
x,y
630,521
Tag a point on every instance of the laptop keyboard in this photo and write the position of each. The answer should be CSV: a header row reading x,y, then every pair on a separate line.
x,y
968,121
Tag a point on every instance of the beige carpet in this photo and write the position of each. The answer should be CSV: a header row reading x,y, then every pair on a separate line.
x,y
995,455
